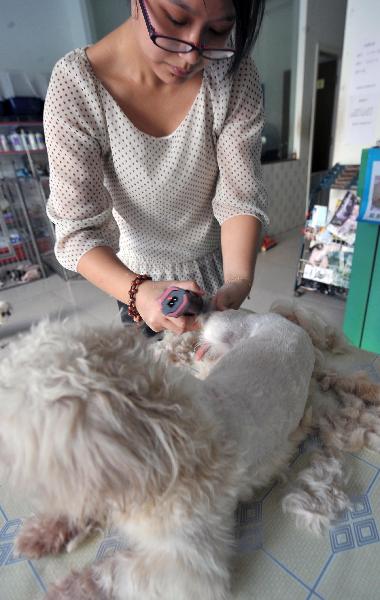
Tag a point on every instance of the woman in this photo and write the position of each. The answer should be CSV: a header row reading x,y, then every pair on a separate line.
x,y
154,142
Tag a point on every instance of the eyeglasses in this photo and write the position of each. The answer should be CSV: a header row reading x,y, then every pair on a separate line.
x,y
179,46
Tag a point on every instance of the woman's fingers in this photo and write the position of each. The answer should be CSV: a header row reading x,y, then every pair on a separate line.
x,y
190,285
218,303
182,324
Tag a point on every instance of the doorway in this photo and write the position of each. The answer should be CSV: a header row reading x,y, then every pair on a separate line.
x,y
324,111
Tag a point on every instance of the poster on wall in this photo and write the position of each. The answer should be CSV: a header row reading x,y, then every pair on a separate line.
x,y
370,202
364,94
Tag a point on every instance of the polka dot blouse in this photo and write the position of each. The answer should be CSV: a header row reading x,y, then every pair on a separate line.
x,y
157,201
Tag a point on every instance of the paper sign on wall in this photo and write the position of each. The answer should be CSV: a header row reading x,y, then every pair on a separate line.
x,y
364,94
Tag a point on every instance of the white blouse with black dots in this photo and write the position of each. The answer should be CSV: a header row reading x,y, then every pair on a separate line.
x,y
157,201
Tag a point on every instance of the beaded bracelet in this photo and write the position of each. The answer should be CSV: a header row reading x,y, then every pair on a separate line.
x,y
132,310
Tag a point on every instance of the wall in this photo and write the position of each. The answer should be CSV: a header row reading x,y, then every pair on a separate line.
x,y
273,56
107,15
285,183
362,26
34,35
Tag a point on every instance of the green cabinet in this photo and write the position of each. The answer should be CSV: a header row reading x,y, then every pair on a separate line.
x,y
362,314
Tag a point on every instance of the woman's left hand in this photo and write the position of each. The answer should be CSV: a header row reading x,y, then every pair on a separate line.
x,y
231,295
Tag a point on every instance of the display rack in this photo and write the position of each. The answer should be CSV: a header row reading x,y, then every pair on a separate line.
x,y
329,234
26,233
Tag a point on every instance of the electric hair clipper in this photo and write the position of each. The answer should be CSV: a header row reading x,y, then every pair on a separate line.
x,y
176,302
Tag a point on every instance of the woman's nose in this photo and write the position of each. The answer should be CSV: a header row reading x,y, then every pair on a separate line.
x,y
194,57
191,58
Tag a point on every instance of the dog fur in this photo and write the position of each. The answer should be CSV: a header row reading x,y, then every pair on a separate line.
x,y
342,410
100,429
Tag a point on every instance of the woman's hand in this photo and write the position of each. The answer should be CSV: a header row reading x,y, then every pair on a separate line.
x,y
149,308
231,295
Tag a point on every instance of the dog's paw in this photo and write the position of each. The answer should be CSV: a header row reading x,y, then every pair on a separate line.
x,y
41,535
77,586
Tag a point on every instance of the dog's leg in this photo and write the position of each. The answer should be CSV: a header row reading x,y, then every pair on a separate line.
x,y
81,585
145,575
348,426
154,575
318,496
41,535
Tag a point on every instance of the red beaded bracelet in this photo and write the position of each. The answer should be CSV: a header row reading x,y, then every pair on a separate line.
x,y
132,310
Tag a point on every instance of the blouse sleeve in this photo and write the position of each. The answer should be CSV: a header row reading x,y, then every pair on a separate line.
x,y
79,204
240,189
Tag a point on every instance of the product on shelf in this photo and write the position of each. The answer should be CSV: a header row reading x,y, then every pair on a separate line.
x,y
21,139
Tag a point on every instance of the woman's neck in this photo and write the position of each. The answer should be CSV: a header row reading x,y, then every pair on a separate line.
x,y
122,51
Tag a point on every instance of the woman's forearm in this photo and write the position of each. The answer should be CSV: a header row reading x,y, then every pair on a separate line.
x,y
240,236
101,267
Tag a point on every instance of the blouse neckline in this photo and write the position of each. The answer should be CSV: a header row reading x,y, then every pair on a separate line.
x,y
128,120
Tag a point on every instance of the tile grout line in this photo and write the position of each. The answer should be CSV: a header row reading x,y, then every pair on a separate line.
x,y
286,569
324,569
372,482
3,513
37,576
363,460
32,567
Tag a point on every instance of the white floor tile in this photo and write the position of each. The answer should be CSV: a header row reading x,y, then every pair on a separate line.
x,y
106,311
273,277
81,292
27,311
28,291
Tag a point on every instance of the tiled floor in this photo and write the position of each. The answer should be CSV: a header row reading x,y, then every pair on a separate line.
x,y
275,274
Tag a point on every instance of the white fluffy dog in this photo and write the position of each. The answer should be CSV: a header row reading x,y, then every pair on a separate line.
x,y
96,428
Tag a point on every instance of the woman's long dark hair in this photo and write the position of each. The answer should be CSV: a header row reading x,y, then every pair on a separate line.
x,y
249,16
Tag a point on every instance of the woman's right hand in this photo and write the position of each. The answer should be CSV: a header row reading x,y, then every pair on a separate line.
x,y
149,308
